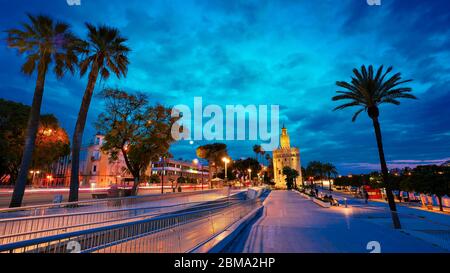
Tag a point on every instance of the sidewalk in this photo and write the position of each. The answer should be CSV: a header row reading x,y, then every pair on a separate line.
x,y
424,224
294,224
405,204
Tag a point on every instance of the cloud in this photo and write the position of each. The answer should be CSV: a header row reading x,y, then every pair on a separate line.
x,y
288,53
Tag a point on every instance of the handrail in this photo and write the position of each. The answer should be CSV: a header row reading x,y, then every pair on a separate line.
x,y
99,201
105,211
51,238
144,215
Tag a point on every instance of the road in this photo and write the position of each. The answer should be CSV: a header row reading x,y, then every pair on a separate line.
x,y
294,224
40,198
34,197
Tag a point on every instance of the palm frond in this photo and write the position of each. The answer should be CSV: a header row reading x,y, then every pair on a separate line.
x,y
346,105
390,100
355,116
51,41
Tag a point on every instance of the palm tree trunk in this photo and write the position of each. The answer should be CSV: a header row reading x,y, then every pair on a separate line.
x,y
441,208
30,137
78,134
384,171
329,181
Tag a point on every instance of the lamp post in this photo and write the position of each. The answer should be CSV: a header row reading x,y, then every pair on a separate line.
x,y
34,173
226,161
196,162
162,175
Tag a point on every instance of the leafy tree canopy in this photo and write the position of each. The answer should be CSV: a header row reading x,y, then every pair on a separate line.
x,y
52,141
134,129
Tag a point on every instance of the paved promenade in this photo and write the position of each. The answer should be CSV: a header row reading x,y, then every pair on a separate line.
x,y
292,223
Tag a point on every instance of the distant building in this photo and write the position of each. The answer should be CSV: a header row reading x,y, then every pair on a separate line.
x,y
285,156
170,170
98,170
101,171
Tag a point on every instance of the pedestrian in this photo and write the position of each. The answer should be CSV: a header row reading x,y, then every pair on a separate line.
x,y
366,197
317,192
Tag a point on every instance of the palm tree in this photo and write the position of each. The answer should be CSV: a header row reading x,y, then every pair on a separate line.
x,y
257,150
315,169
105,53
367,91
330,170
43,42
268,159
291,176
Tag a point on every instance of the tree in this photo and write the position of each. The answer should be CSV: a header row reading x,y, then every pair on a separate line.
x,y
291,175
242,166
213,153
43,42
316,170
368,91
51,142
133,129
430,180
154,178
268,158
104,53
257,150
181,180
330,170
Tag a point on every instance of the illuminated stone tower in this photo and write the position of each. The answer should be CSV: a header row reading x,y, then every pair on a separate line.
x,y
285,156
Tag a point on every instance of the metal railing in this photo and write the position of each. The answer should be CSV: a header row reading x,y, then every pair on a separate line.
x,y
99,204
172,233
26,228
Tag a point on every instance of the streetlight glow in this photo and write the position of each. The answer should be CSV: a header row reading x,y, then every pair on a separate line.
x,y
226,161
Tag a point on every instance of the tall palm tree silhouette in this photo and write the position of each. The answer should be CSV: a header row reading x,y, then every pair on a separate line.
x,y
367,91
43,42
105,53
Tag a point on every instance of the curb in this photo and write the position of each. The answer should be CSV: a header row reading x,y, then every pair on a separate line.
x,y
314,200
321,203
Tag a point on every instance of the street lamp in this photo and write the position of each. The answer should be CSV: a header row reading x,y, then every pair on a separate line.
x,y
250,175
34,173
196,162
226,161
162,174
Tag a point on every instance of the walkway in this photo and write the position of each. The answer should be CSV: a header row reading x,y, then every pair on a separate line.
x,y
293,224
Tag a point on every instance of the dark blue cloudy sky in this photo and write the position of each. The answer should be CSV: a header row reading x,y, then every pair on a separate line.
x,y
287,52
